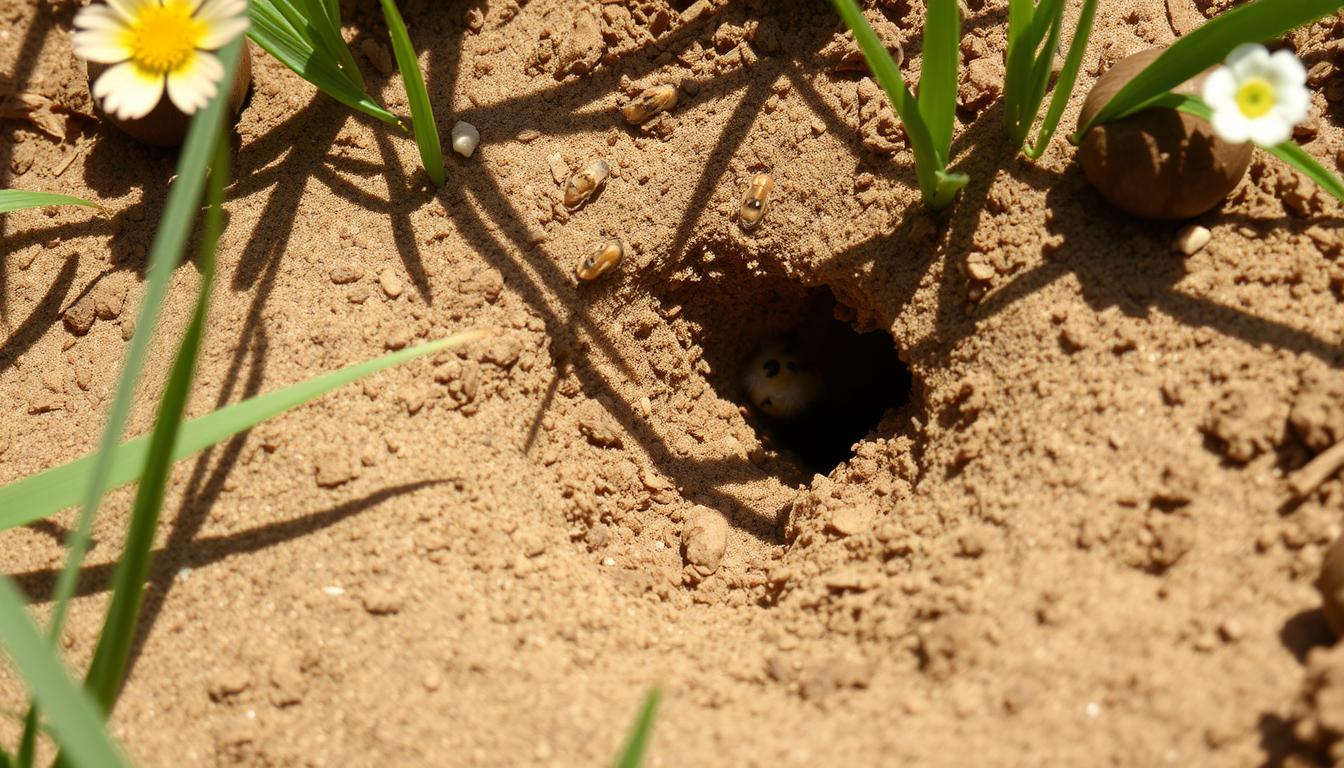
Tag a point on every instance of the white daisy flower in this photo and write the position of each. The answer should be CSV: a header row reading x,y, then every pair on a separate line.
x,y
1257,96
157,43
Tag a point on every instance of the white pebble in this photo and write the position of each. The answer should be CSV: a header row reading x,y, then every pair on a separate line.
x,y
610,561
465,138
1190,240
333,591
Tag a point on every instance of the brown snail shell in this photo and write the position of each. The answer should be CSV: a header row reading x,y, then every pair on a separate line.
x,y
166,125
649,103
602,258
1159,163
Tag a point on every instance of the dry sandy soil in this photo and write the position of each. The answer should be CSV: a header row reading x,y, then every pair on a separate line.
x,y
1068,540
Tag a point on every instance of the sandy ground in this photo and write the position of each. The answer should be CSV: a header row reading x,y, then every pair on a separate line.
x,y
1070,541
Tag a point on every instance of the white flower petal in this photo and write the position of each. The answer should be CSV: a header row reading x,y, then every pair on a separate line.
x,y
1270,130
105,46
1220,89
127,91
129,10
220,33
192,86
1231,126
98,17
212,11
1248,60
1286,69
1292,104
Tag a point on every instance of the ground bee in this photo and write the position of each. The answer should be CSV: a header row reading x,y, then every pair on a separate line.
x,y
584,182
754,202
649,103
602,258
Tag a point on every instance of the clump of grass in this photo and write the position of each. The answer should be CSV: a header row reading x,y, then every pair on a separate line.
x,y
1033,37
928,119
305,35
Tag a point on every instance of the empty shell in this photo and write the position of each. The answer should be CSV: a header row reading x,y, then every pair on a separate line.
x,y
602,258
649,103
755,201
584,182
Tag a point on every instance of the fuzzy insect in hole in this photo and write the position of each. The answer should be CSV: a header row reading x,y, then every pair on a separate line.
x,y
755,201
783,383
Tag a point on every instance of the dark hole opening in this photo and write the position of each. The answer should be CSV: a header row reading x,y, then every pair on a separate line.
x,y
811,385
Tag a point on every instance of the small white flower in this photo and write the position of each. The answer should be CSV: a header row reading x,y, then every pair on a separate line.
x,y
156,44
1257,96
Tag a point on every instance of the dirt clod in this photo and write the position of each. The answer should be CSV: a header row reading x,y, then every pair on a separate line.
x,y
704,539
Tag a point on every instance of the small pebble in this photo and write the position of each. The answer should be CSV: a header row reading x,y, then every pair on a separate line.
x,y
465,138
390,283
382,602
1192,239
559,168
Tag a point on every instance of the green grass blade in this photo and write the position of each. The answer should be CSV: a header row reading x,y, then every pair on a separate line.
x,y
75,722
1020,13
38,496
422,114
103,680
1067,77
1298,158
888,75
184,199
28,741
1188,56
5,760
1040,69
18,199
632,754
1018,65
1029,61
938,74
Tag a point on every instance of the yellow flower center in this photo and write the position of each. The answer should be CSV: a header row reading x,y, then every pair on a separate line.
x,y
1255,97
164,37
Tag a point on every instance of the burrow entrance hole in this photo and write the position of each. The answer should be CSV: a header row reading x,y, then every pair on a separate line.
x,y
811,385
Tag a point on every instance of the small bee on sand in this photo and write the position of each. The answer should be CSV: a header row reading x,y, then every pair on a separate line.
x,y
782,384
602,258
755,201
584,182
649,103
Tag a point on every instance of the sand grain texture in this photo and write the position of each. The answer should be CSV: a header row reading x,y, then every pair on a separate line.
x,y
1072,546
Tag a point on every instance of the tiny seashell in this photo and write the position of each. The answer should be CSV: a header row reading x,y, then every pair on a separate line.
x,y
465,138
602,258
755,201
649,103
584,182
